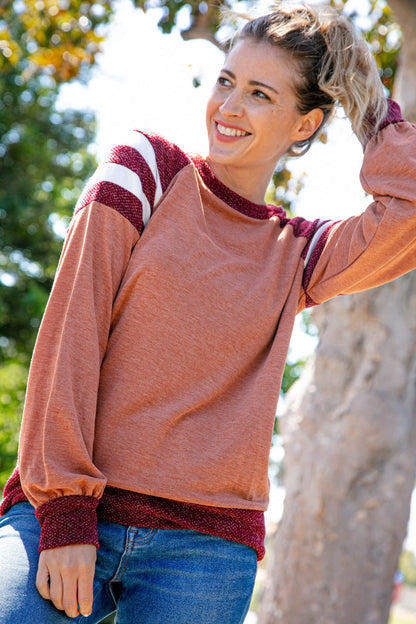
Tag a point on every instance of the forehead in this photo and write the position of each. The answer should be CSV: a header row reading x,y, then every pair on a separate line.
x,y
262,61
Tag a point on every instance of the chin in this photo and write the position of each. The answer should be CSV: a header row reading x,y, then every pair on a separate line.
x,y
224,158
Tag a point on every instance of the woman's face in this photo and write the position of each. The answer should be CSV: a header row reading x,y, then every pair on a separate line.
x,y
252,117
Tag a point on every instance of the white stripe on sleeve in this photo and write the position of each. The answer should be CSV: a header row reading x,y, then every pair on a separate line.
x,y
315,239
127,179
139,142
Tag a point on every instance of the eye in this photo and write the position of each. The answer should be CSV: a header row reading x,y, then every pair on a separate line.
x,y
260,95
223,81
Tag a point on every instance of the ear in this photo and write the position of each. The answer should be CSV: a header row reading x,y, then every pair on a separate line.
x,y
309,124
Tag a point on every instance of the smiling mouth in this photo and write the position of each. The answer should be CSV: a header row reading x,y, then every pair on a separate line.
x,y
231,132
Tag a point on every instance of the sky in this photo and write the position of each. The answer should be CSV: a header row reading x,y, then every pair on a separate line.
x,y
144,80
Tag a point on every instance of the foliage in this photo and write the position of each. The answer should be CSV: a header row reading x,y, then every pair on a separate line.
x,y
44,159
402,619
204,17
43,152
56,37
284,188
12,392
407,566
293,371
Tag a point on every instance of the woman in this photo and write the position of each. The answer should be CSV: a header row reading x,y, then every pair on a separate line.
x,y
156,373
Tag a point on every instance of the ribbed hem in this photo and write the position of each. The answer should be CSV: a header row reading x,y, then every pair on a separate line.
x,y
245,526
68,520
60,527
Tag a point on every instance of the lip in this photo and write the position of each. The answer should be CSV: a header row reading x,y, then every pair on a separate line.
x,y
224,137
227,125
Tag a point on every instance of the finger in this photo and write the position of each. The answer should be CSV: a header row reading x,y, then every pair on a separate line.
x,y
42,579
69,593
55,589
85,591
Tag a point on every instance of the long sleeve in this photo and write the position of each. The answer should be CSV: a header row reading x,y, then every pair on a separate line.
x,y
380,245
57,436
56,441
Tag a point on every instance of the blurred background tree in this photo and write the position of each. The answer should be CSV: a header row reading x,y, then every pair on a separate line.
x,y
43,160
408,567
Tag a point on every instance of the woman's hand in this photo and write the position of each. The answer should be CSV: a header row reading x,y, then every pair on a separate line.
x,y
65,576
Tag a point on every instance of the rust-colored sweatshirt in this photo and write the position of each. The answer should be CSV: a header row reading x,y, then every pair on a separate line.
x,y
158,364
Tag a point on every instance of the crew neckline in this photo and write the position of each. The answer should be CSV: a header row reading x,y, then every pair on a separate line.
x,y
233,199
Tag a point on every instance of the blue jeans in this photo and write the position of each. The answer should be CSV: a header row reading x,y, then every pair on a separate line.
x,y
146,576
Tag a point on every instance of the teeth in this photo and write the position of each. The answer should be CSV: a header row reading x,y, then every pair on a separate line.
x,y
230,131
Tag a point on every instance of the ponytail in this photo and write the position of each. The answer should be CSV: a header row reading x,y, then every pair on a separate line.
x,y
349,75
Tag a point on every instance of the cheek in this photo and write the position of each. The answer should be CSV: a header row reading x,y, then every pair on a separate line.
x,y
209,111
279,126
214,102
213,95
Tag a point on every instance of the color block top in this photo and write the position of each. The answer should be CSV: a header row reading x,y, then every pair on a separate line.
x,y
158,364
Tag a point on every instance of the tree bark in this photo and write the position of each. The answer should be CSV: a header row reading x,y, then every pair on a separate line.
x,y
350,438
349,432
405,82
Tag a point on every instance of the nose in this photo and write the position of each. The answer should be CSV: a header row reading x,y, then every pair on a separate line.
x,y
233,105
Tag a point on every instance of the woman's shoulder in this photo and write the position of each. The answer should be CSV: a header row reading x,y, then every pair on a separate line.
x,y
133,174
149,154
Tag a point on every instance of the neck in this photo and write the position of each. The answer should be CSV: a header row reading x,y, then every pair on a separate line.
x,y
251,185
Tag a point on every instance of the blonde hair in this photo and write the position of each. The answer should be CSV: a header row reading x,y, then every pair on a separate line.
x,y
333,62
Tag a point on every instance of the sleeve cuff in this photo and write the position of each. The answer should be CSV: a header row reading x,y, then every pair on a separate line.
x,y
68,520
394,114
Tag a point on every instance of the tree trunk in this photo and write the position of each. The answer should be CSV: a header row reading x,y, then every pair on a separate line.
x,y
350,439
349,431
405,82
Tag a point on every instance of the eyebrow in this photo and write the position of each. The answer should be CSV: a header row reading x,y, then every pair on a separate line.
x,y
253,83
